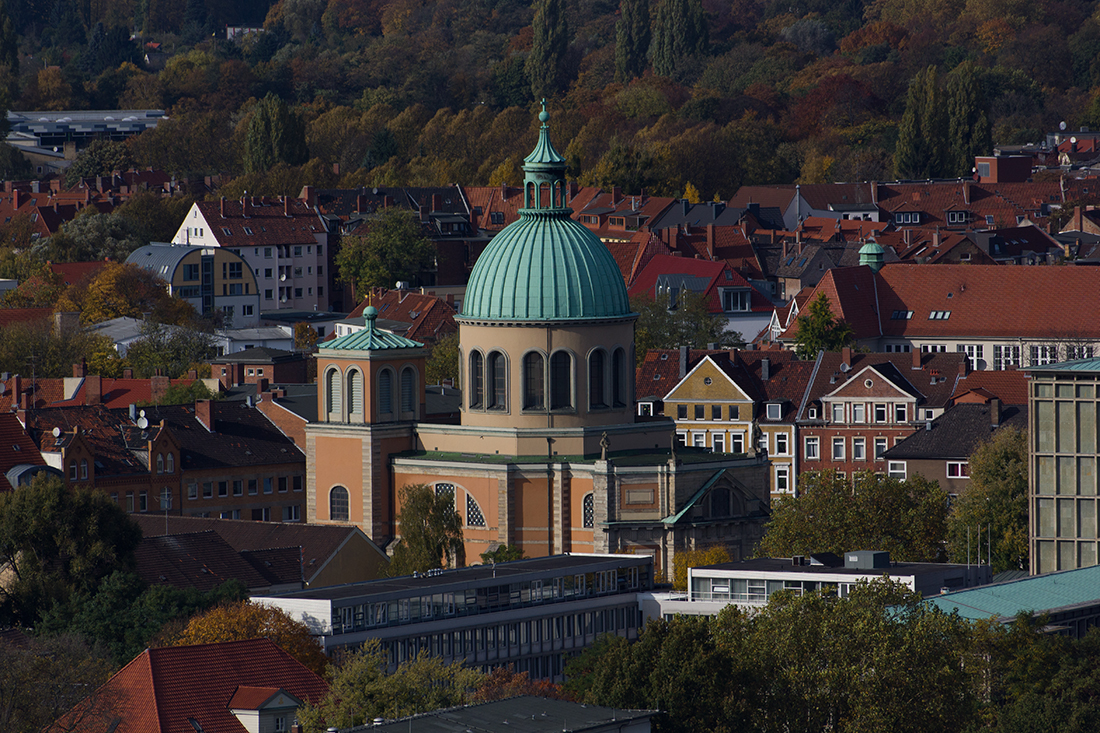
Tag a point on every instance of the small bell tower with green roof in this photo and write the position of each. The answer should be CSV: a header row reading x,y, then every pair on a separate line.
x,y
544,170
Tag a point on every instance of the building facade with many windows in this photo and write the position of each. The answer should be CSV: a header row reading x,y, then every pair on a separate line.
x,y
529,614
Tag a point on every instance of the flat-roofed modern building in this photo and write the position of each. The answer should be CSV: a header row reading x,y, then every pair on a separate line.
x,y
530,614
750,584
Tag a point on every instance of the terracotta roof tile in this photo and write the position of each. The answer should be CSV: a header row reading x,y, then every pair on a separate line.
x,y
161,689
251,698
11,316
267,224
1009,386
16,447
201,560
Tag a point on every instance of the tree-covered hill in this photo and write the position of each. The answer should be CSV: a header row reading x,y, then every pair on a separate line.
x,y
647,94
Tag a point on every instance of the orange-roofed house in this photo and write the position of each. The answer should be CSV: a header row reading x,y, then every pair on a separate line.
x,y
231,687
1000,317
726,293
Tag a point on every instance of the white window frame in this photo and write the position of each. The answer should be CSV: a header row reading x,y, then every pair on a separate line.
x,y
1043,354
716,440
782,444
859,412
837,409
811,448
774,411
901,412
896,469
881,446
957,469
880,408
1006,355
859,449
783,479
838,449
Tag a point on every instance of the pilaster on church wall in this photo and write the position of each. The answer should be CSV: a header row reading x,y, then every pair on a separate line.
x,y
311,479
604,504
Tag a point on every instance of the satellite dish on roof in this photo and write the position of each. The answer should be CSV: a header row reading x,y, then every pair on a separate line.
x,y
1073,140
143,422
845,367
142,413
1062,125
57,432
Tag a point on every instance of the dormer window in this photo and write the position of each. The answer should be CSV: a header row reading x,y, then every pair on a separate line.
x,y
496,217
735,301
907,217
774,411
957,217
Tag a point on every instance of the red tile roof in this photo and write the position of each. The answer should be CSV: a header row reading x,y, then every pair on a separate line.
x,y
160,690
201,560
719,275
116,393
16,447
429,316
267,220
74,272
1009,386
251,698
10,316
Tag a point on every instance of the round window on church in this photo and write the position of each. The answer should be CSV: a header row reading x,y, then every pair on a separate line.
x,y
708,381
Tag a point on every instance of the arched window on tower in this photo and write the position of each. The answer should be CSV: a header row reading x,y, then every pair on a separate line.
x,y
561,381
476,380
596,376
588,511
338,504
534,385
355,394
497,379
474,517
408,390
385,392
332,394
619,379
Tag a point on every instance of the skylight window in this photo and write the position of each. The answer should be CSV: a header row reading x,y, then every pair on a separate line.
x,y
902,315
227,232
939,315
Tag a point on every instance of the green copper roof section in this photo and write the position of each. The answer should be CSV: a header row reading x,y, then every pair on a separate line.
x,y
544,153
1080,365
872,254
695,499
1037,593
370,338
545,266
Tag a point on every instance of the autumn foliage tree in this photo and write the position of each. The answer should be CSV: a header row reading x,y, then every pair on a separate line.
x,y
431,531
248,620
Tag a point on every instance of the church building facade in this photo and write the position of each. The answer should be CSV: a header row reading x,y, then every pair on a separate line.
x,y
549,454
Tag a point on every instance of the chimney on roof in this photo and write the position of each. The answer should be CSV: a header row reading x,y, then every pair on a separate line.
x,y
966,192
36,187
286,206
437,202
874,193
616,195
81,369
936,236
261,385
995,413
916,357
964,367
158,386
192,374
683,361
360,203
127,373
223,206
685,206
16,195
573,189
784,254
710,241
765,369
246,205
846,355
204,413
93,389
307,196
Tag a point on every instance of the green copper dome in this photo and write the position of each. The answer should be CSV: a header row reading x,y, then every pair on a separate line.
x,y
545,266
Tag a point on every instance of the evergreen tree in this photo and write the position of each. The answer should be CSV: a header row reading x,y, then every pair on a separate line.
x,y
632,38
275,135
819,329
9,43
968,122
544,63
679,32
922,150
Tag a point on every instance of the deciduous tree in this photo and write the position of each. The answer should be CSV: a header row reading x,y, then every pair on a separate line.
x,y
865,512
173,350
431,531
58,541
126,290
685,560
248,620
443,363
91,236
361,690
995,504
503,553
688,324
391,249
820,330
100,158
